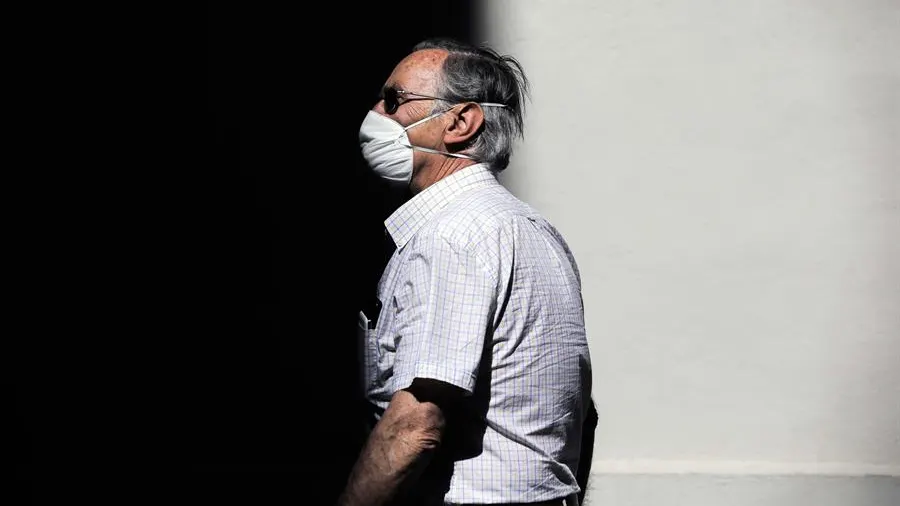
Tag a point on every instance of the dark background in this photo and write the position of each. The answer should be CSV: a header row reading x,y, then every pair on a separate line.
x,y
243,236
288,90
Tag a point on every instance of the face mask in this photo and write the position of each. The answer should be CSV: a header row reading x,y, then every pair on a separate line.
x,y
387,149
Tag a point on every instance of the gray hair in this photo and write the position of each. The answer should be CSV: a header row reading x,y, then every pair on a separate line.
x,y
480,74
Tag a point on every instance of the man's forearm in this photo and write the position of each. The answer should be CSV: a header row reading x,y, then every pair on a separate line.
x,y
399,447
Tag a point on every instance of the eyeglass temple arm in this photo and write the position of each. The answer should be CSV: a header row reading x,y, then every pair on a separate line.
x,y
483,104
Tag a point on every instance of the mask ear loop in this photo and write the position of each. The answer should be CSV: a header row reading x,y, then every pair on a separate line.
x,y
435,151
423,120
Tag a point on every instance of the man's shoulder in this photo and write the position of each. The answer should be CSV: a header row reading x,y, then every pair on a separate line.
x,y
479,210
480,220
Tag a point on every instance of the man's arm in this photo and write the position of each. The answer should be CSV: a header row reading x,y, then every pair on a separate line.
x,y
587,449
400,445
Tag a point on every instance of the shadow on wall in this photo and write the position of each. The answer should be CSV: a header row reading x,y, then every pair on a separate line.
x,y
295,220
297,224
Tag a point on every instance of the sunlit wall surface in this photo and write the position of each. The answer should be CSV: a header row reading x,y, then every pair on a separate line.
x,y
728,176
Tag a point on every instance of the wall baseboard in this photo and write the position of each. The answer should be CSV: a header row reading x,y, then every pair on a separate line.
x,y
688,486
742,468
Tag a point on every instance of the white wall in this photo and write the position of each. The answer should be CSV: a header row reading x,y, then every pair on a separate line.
x,y
728,176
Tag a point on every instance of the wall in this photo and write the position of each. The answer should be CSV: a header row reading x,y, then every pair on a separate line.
x,y
728,176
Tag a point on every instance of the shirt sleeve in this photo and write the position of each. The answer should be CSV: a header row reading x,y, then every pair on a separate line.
x,y
444,316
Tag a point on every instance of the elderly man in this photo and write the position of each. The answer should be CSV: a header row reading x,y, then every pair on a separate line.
x,y
476,362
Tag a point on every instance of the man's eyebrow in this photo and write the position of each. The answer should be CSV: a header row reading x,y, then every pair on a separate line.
x,y
398,85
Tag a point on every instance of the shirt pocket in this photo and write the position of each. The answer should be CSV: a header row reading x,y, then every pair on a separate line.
x,y
366,350
369,356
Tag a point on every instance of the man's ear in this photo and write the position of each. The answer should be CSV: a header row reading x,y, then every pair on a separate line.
x,y
465,124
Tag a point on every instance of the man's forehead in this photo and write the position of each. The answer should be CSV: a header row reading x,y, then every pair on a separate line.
x,y
419,69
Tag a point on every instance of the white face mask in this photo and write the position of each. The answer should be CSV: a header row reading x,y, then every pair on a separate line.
x,y
387,149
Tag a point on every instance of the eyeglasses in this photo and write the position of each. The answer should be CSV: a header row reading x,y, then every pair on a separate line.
x,y
391,97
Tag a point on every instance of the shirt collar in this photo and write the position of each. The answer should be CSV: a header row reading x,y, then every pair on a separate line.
x,y
403,223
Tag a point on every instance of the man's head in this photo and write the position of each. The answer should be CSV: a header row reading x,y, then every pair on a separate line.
x,y
459,105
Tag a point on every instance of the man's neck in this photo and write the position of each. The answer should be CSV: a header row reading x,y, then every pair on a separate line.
x,y
430,175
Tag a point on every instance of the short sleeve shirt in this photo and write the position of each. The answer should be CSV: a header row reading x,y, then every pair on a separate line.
x,y
483,293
